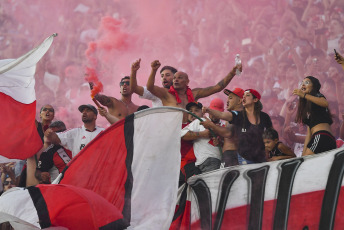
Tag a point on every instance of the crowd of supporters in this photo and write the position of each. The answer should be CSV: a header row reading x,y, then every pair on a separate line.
x,y
280,43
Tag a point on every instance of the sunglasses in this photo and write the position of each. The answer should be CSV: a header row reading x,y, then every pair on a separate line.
x,y
305,83
48,109
124,83
8,182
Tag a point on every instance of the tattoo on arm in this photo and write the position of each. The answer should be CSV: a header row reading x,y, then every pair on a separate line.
x,y
104,100
222,83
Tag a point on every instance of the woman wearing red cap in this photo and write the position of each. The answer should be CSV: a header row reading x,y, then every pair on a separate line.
x,y
314,112
249,125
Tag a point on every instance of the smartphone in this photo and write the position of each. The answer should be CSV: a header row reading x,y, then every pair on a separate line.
x,y
335,53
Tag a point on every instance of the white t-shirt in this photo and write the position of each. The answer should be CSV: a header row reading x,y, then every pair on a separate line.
x,y
202,148
156,102
76,139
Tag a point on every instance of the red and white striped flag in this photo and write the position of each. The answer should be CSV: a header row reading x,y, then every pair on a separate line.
x,y
19,136
132,167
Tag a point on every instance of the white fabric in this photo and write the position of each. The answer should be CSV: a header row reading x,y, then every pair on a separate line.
x,y
16,202
76,139
156,164
17,75
51,81
201,146
156,102
311,176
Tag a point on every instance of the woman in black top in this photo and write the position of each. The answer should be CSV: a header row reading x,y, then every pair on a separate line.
x,y
249,127
314,112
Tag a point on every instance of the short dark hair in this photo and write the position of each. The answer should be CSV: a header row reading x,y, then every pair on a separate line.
x,y
173,70
58,124
270,133
124,78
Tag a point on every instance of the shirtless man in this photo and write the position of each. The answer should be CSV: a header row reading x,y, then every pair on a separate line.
x,y
118,109
179,95
167,73
230,144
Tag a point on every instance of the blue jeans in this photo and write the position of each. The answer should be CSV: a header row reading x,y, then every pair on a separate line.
x,y
243,161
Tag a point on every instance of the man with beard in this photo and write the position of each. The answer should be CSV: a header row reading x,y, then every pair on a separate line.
x,y
179,94
76,139
118,109
166,72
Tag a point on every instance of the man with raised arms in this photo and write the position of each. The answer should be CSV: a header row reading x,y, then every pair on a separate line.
x,y
179,94
167,73
118,109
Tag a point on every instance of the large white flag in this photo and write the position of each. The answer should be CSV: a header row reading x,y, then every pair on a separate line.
x,y
127,177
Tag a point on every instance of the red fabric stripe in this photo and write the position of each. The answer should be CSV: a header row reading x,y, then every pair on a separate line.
x,y
77,208
19,136
304,211
86,170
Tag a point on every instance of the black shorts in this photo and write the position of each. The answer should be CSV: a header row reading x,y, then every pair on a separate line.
x,y
322,141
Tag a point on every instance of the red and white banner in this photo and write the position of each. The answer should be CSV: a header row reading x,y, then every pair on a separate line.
x,y
299,193
133,165
19,136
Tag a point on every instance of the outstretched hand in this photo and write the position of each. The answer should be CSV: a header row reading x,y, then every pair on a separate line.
x,y
207,123
298,92
51,136
339,58
155,65
239,67
136,65
204,109
102,111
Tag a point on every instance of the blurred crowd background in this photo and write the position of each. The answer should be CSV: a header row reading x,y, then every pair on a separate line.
x,y
279,41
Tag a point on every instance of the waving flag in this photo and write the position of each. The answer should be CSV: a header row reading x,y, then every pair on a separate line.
x,y
133,165
19,136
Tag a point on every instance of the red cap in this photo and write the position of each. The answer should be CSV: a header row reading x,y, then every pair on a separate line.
x,y
237,91
217,104
254,92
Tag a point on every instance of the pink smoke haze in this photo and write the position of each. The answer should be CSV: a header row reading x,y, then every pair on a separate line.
x,y
279,41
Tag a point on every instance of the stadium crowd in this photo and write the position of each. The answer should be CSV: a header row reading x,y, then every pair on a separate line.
x,y
281,44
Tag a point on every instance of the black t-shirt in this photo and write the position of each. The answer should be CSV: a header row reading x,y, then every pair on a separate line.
x,y
251,145
318,115
241,121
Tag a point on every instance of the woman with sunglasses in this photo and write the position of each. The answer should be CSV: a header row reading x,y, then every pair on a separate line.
x,y
249,125
8,183
314,112
46,114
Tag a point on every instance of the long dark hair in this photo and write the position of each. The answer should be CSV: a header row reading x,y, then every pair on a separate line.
x,y
258,107
304,106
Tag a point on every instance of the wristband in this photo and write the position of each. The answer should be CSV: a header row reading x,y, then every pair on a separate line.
x,y
304,96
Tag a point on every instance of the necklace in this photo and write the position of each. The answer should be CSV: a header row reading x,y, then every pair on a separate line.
x,y
126,105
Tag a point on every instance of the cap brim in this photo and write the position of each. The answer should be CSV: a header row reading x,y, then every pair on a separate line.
x,y
227,91
81,108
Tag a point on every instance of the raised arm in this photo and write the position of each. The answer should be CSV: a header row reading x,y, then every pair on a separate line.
x,y
205,92
110,118
227,116
191,136
157,91
219,130
321,101
134,88
340,59
104,100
